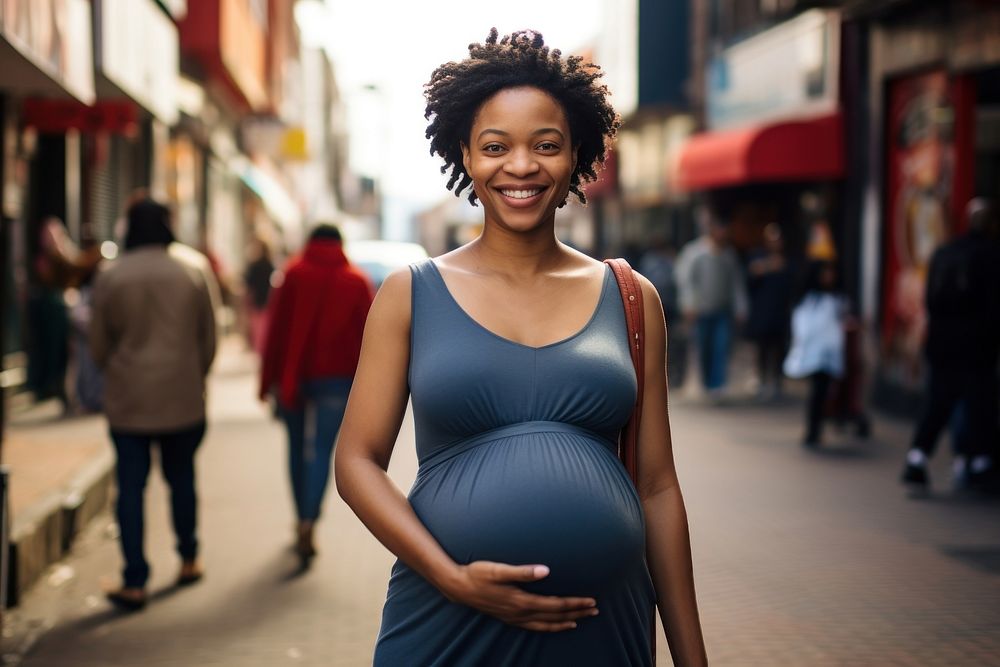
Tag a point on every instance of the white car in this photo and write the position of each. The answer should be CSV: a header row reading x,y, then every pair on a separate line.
x,y
380,258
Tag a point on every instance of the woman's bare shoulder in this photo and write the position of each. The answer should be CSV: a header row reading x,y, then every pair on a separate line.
x,y
392,301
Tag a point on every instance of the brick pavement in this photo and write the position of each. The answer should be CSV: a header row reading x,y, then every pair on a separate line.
x,y
802,558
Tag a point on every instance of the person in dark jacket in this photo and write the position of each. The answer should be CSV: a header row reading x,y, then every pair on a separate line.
x,y
313,343
257,282
963,345
769,285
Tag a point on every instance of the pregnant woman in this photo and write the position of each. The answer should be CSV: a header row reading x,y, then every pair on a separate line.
x,y
522,541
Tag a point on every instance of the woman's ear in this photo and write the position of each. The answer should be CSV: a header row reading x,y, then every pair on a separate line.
x,y
576,151
465,158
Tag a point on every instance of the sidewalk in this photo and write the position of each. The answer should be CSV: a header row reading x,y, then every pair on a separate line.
x,y
61,469
802,557
61,477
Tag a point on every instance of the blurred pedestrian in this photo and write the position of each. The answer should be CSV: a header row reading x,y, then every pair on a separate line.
x,y
88,380
658,265
713,297
514,350
257,283
153,334
962,348
57,264
819,324
769,285
317,318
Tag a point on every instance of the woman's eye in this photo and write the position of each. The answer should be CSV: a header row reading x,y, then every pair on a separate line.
x,y
548,146
493,148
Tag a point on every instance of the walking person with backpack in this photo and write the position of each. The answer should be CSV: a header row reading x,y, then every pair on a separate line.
x,y
962,347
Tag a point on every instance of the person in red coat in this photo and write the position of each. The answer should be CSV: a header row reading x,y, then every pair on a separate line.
x,y
316,322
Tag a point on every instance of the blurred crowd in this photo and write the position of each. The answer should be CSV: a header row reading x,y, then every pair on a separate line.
x,y
802,325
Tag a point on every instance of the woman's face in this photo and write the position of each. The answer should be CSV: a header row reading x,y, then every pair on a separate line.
x,y
520,156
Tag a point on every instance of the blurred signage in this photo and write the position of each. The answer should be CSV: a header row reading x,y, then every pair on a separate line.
x,y
271,138
295,144
923,194
138,52
60,116
55,37
243,49
789,70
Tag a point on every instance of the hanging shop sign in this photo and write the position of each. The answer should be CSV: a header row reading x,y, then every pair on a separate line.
x,y
790,70
137,51
45,47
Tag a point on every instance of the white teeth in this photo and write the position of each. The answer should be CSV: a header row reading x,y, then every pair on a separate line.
x,y
520,194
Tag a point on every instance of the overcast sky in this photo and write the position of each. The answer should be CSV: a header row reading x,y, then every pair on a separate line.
x,y
394,45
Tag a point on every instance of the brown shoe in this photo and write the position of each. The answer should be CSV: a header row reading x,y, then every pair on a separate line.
x,y
127,599
191,573
304,547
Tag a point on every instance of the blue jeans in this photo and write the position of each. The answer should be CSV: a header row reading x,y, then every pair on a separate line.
x,y
714,331
312,431
177,461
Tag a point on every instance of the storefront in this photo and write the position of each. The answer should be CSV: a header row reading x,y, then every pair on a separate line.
x,y
45,47
935,88
775,148
137,63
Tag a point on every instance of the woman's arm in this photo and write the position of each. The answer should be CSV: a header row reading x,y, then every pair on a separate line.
x,y
668,547
374,413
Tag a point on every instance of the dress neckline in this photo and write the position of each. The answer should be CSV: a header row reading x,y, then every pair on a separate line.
x,y
562,341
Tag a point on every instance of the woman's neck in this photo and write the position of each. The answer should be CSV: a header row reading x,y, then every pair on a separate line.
x,y
516,253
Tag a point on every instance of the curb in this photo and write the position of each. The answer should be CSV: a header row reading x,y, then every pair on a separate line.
x,y
44,533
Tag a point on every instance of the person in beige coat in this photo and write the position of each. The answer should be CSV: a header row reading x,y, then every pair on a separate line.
x,y
153,335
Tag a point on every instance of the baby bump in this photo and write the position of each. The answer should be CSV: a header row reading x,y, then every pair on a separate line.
x,y
557,499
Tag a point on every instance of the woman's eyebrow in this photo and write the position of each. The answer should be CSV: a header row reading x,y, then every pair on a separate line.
x,y
542,130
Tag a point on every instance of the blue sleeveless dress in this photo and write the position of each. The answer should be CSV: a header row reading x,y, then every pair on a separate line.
x,y
517,464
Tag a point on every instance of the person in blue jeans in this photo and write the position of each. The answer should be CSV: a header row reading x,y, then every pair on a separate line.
x,y
177,450
312,431
155,354
713,295
316,319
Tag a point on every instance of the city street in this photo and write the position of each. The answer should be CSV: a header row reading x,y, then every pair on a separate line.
x,y
802,558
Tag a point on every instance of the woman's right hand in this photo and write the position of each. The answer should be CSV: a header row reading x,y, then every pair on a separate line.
x,y
492,588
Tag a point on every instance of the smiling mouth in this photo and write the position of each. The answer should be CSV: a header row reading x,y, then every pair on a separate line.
x,y
521,194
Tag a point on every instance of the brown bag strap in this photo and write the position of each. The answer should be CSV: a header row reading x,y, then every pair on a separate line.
x,y
628,445
635,320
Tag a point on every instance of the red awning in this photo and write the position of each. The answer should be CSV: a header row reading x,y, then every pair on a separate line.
x,y
797,150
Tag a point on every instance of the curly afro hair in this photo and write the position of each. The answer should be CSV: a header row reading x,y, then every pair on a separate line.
x,y
457,90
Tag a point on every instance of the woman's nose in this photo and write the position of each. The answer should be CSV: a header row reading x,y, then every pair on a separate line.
x,y
520,163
